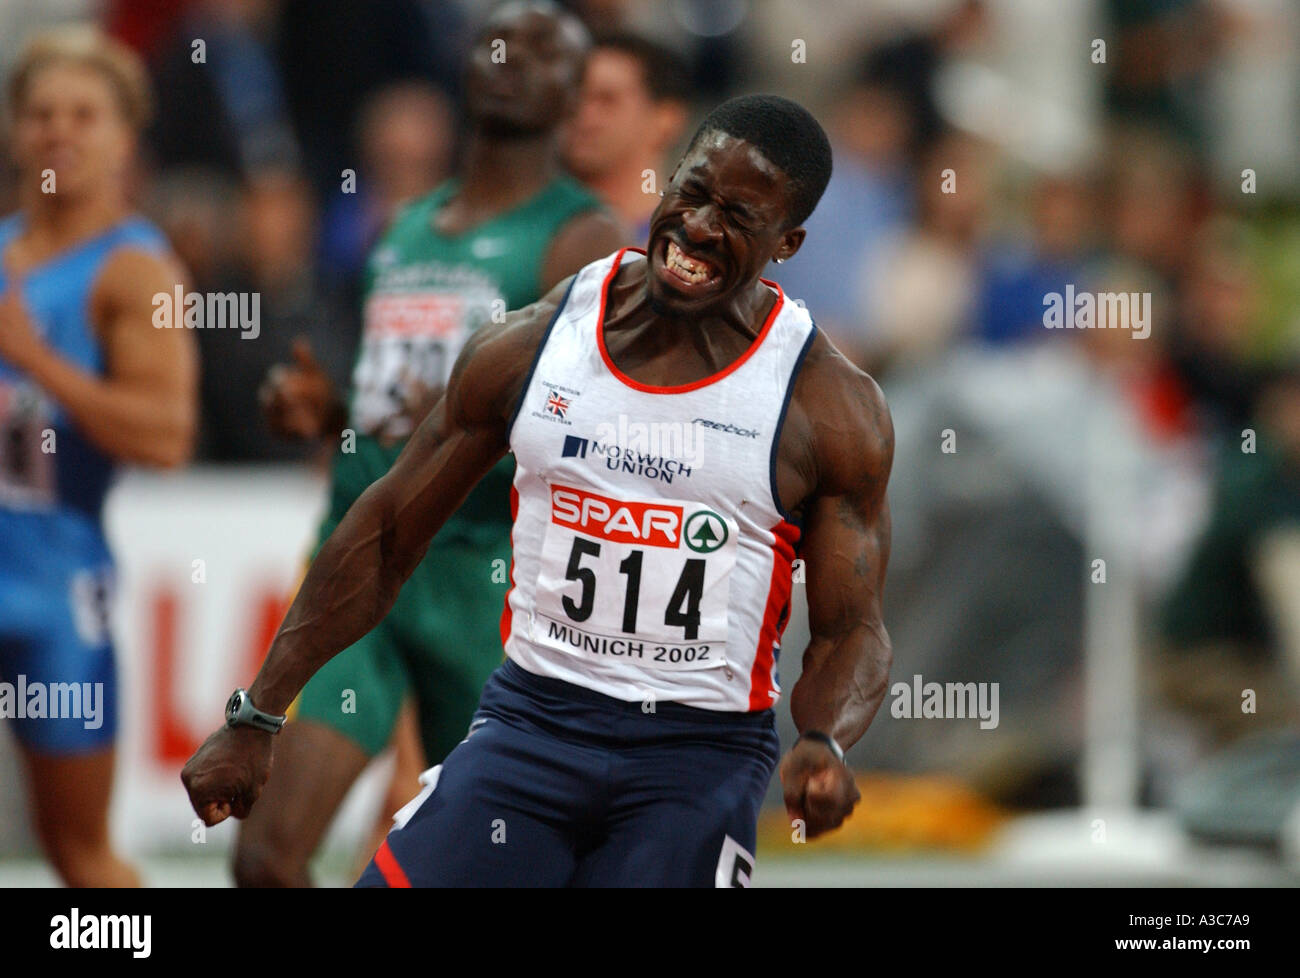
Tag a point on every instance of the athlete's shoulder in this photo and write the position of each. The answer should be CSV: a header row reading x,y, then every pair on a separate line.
x,y
139,232
138,262
847,414
134,252
825,364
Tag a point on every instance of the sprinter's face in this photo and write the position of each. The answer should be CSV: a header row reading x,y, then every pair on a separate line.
x,y
69,131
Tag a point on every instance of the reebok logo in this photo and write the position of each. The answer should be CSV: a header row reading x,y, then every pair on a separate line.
x,y
730,429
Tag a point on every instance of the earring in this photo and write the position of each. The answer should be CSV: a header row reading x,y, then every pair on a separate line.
x,y
661,193
780,260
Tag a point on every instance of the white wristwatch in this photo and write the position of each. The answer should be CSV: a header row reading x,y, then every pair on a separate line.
x,y
240,712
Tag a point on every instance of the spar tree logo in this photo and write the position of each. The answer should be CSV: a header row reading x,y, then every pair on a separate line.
x,y
706,531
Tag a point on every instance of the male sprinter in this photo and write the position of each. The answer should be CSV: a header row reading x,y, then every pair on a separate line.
x,y
635,98
629,738
86,381
498,235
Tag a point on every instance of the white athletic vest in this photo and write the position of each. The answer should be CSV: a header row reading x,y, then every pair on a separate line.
x,y
651,559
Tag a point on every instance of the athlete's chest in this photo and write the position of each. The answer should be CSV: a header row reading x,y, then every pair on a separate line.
x,y
588,432
616,409
638,463
736,435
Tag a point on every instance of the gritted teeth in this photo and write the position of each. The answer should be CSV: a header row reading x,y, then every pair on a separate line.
x,y
685,266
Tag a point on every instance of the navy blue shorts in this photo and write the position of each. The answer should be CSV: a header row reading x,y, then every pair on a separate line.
x,y
556,785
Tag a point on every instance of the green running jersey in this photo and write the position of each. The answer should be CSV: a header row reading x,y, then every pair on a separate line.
x,y
424,294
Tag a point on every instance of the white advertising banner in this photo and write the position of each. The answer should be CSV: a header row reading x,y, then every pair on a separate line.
x,y
207,562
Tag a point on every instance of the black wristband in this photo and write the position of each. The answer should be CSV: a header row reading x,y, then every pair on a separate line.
x,y
824,739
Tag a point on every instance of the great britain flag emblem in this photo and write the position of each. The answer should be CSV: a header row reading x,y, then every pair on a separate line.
x,y
557,405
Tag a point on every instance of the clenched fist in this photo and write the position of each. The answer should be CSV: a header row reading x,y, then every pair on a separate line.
x,y
226,774
819,787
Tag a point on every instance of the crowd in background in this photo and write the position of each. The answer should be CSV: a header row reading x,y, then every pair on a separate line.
x,y
987,154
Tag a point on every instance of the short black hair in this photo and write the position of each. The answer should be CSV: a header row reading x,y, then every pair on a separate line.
x,y
787,134
666,75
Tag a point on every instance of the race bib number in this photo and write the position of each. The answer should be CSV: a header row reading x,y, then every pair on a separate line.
x,y
646,581
411,341
27,447
90,596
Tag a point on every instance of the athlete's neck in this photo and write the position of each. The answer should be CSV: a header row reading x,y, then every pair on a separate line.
x,y
630,306
57,220
499,171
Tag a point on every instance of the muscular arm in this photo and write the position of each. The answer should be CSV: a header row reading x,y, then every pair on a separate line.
x,y
144,409
360,569
845,548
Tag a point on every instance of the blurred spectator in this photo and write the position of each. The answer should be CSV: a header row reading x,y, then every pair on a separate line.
x,y
222,100
634,105
1229,623
275,234
1021,269
282,81
20,19
712,37
405,138
714,40
917,291
1139,365
193,207
869,197
144,24
1152,203
1157,61
334,54
1211,347
601,16
1253,116
909,64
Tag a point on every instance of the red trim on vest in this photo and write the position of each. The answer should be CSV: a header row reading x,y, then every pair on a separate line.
x,y
506,615
694,385
775,614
